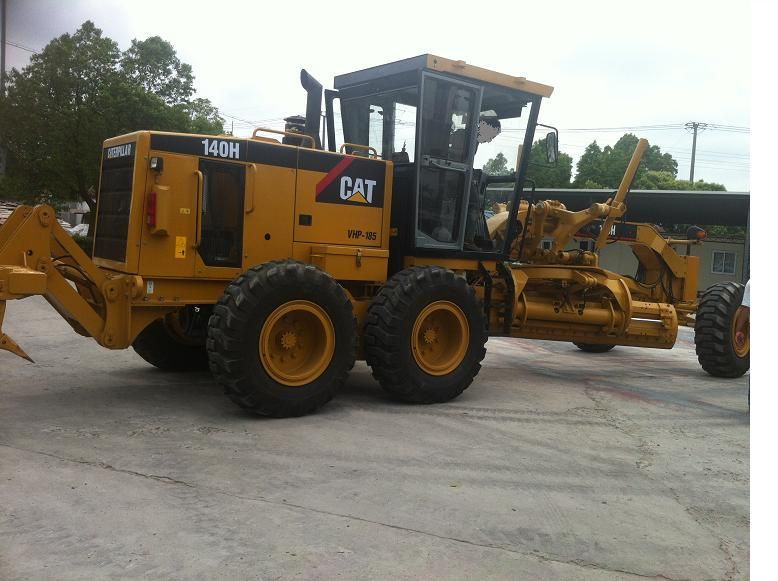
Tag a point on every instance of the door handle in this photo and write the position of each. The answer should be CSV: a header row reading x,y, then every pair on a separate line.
x,y
248,205
200,209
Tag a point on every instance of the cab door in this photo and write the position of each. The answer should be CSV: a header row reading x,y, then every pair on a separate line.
x,y
449,122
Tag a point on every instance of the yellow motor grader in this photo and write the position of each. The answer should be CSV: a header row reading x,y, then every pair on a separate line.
x,y
276,262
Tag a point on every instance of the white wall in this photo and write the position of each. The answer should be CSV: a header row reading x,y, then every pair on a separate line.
x,y
619,258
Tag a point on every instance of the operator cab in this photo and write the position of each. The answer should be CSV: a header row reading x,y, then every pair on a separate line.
x,y
439,121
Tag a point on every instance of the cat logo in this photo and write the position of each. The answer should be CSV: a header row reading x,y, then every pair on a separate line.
x,y
362,190
354,182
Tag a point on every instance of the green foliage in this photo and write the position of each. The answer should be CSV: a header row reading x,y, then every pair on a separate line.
x,y
732,232
713,231
664,180
545,175
203,117
702,186
153,65
603,168
497,166
606,166
77,92
590,168
657,180
51,120
85,242
591,185
548,175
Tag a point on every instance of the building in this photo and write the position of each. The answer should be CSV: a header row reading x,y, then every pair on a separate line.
x,y
721,260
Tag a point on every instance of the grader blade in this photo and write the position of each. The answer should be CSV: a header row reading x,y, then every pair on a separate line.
x,y
8,344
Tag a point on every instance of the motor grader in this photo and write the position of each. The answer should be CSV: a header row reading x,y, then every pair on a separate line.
x,y
277,262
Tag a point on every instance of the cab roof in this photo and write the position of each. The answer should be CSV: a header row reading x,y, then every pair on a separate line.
x,y
436,63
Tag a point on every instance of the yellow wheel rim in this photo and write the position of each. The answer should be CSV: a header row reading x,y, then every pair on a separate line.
x,y
740,350
440,338
296,343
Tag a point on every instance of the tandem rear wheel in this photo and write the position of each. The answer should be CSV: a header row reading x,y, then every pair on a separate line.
x,y
282,339
425,335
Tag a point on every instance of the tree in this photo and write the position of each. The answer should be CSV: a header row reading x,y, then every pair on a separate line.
x,y
497,166
545,174
81,90
548,175
606,166
590,167
203,117
153,65
664,180
658,180
53,118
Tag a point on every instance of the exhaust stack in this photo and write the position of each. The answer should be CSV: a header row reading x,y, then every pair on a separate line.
x,y
313,105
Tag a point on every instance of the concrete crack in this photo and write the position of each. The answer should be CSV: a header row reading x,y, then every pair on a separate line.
x,y
644,462
733,570
103,465
300,507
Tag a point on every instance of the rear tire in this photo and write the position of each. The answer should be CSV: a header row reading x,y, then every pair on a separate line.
x,y
164,345
713,331
425,335
282,339
593,347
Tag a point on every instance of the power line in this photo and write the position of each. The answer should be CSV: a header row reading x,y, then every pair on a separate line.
x,y
738,160
21,46
729,127
657,127
652,127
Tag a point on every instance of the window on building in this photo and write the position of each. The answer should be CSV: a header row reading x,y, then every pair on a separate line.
x,y
546,244
723,262
586,244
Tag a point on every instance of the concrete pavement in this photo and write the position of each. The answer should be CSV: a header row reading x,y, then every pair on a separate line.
x,y
555,464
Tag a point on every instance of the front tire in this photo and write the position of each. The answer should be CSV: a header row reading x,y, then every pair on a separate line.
x,y
175,342
425,335
282,339
714,335
593,347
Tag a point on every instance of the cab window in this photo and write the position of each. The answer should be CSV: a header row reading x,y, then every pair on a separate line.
x,y
385,122
221,213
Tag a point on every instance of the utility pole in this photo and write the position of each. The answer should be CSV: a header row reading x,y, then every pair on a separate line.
x,y
694,125
2,48
3,27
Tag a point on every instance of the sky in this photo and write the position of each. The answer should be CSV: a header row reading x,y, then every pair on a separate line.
x,y
613,64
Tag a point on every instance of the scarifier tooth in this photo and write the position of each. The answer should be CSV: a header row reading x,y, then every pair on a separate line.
x,y
8,344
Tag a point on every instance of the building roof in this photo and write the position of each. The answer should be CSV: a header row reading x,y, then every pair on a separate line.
x,y
661,206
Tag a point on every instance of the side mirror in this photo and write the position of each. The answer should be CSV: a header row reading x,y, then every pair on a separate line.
x,y
552,147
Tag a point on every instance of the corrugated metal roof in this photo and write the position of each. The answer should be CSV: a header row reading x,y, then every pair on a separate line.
x,y
661,206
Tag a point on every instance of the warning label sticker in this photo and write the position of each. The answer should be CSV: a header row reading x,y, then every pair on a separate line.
x,y
180,247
